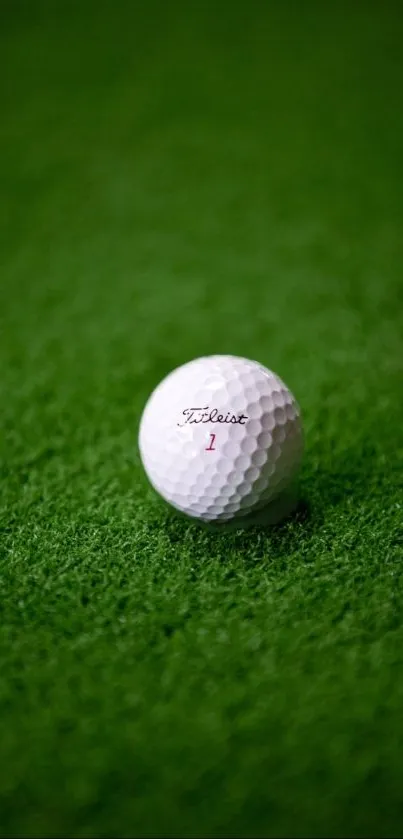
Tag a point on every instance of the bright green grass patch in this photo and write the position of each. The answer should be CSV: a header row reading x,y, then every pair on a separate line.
x,y
180,179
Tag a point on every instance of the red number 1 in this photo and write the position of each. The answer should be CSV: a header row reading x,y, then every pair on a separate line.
x,y
211,448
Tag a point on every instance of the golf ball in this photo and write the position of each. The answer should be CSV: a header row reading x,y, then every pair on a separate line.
x,y
220,436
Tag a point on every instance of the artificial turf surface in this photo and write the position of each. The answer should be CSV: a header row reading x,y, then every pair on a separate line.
x,y
180,180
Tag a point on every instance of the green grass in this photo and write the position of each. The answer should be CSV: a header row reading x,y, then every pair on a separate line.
x,y
179,180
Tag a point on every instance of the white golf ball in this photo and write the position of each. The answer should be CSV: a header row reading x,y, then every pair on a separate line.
x,y
220,436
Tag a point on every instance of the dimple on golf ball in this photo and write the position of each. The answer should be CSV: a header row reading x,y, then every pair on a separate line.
x,y
220,436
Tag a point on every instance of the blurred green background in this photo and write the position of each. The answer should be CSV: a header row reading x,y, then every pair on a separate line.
x,y
179,179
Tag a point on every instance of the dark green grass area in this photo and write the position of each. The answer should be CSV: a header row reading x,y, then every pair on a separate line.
x,y
180,179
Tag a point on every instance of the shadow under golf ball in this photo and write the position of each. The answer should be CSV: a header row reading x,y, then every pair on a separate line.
x,y
273,513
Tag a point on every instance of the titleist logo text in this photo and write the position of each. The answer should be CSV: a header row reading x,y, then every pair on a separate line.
x,y
192,416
